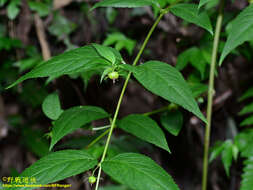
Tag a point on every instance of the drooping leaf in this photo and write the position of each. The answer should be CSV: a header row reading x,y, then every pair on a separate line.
x,y
198,89
241,31
184,58
247,176
125,3
216,151
244,141
190,13
145,128
86,75
77,60
57,166
247,109
105,52
195,57
166,81
227,150
247,121
73,119
120,41
138,172
202,3
172,121
235,151
247,94
227,155
51,106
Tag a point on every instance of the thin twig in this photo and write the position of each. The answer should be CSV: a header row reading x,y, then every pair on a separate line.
x,y
40,30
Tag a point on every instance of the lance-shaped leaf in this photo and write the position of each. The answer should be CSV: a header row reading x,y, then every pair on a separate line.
x,y
57,166
125,3
244,141
105,52
241,31
172,121
247,121
145,128
247,109
190,13
73,119
77,60
166,81
227,156
247,94
138,172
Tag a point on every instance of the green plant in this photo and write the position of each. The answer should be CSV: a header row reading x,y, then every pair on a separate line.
x,y
240,144
172,87
240,31
136,171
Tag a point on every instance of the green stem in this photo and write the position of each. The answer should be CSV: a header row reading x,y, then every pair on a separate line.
x,y
97,139
101,128
122,94
162,109
210,94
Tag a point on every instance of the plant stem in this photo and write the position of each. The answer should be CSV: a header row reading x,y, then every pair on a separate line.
x,y
101,128
210,94
122,94
162,109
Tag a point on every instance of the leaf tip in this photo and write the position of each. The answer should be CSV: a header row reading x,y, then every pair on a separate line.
x,y
92,8
8,87
51,145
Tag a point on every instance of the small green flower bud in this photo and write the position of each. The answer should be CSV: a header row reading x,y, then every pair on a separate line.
x,y
113,75
92,179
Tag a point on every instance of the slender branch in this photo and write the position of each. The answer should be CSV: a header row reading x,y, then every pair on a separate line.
x,y
162,109
101,128
40,30
210,94
122,94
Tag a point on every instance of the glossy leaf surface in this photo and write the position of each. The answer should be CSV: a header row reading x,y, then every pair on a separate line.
x,y
138,172
73,61
57,166
73,119
145,128
166,81
190,13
